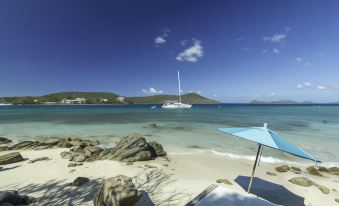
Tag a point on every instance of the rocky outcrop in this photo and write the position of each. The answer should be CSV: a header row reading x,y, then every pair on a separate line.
x,y
12,197
301,181
224,181
10,158
39,159
117,191
133,148
323,189
296,169
283,168
4,140
51,143
79,181
331,170
314,171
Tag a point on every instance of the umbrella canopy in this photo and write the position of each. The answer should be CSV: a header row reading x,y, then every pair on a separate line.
x,y
265,136
269,138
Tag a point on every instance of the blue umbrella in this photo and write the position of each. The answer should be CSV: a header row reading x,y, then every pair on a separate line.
x,y
267,137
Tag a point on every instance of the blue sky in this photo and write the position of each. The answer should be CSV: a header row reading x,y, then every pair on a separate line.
x,y
233,51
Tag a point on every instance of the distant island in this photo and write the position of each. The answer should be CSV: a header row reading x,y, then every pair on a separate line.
x,y
288,102
103,98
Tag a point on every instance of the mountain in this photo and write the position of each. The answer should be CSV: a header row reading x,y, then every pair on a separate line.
x,y
112,98
191,98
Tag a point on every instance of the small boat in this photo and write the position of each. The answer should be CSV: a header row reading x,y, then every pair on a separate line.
x,y
153,107
176,104
5,104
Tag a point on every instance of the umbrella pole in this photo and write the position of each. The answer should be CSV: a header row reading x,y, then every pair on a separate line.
x,y
254,166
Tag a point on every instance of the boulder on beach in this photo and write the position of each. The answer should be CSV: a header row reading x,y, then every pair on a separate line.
x,y
65,155
323,189
79,181
12,197
271,174
10,158
282,168
117,191
337,200
314,171
4,140
158,149
296,169
301,181
39,159
133,148
74,164
224,181
78,158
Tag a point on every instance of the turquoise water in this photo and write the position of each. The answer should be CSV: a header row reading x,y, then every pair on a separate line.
x,y
183,131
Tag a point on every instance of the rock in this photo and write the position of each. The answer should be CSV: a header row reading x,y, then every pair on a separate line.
x,y
337,200
65,155
140,156
224,181
334,170
78,148
296,169
271,174
301,181
153,125
117,191
12,197
127,148
5,148
158,149
39,159
10,158
79,158
92,150
283,168
74,164
323,169
324,189
4,140
79,181
313,171
150,166
23,145
64,142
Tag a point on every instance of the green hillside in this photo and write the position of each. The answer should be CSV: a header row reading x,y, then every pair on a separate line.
x,y
191,98
95,98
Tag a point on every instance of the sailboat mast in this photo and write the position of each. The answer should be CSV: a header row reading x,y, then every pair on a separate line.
x,y
179,87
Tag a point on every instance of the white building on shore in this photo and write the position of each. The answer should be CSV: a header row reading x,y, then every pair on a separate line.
x,y
74,101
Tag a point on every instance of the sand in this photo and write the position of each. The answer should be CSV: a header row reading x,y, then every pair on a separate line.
x,y
168,181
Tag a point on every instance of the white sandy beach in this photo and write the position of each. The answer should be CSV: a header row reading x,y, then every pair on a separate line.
x,y
169,181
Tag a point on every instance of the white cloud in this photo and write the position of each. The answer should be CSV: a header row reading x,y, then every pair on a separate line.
x,y
304,85
271,94
246,49
298,59
276,38
162,38
214,95
193,53
198,92
276,51
321,54
320,87
152,90
239,39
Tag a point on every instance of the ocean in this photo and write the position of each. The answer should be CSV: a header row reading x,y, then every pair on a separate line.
x,y
314,128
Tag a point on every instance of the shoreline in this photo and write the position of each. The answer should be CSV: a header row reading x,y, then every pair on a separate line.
x,y
182,176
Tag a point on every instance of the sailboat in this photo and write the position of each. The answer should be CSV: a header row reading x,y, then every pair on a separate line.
x,y
176,104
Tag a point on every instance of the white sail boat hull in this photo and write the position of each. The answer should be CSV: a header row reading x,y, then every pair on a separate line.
x,y
175,104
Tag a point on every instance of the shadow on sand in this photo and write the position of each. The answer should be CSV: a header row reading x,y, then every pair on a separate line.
x,y
272,192
154,181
